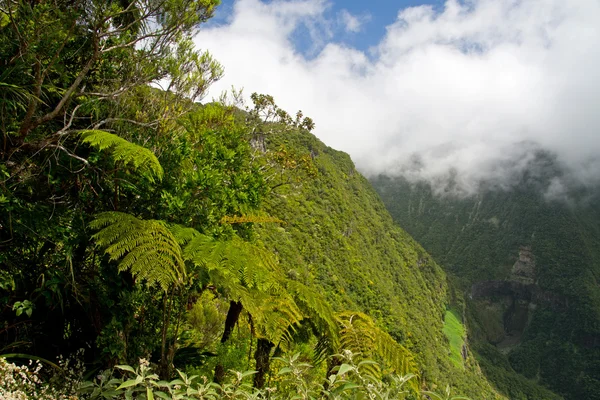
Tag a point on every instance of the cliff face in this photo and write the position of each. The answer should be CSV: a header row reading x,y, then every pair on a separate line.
x,y
531,268
506,307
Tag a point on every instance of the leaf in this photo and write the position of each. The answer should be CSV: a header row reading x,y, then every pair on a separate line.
x,y
143,160
349,386
145,248
149,394
128,383
125,368
437,396
344,368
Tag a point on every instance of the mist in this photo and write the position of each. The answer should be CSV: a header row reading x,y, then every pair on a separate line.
x,y
471,91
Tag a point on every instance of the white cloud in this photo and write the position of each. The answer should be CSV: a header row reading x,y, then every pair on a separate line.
x,y
461,87
352,23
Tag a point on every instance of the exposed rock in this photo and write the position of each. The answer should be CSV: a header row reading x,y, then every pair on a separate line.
x,y
257,142
524,268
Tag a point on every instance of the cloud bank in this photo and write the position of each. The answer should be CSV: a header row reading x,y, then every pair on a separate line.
x,y
466,89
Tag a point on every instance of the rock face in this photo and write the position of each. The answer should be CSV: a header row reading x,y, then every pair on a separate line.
x,y
505,309
524,268
506,306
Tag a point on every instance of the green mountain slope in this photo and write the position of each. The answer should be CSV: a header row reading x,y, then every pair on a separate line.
x,y
339,237
530,267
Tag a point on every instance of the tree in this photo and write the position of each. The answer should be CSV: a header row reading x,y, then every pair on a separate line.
x,y
73,146
64,56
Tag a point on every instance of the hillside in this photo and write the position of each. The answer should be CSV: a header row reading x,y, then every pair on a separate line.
x,y
528,266
339,237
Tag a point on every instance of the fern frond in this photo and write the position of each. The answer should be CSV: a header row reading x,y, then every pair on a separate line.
x,y
360,335
249,274
183,234
275,317
146,248
254,268
258,219
141,159
315,307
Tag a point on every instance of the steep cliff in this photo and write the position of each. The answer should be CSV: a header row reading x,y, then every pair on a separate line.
x,y
339,237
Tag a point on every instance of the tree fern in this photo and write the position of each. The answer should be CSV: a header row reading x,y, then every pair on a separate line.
x,y
246,263
319,311
141,159
247,273
183,234
360,335
274,317
146,248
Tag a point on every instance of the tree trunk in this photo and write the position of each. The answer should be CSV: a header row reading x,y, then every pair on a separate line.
x,y
332,362
263,361
233,314
235,308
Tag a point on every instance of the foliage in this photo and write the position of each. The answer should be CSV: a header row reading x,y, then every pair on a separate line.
x,y
31,382
339,239
141,159
147,248
349,381
361,336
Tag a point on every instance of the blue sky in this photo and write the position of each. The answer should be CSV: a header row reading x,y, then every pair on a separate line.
x,y
375,16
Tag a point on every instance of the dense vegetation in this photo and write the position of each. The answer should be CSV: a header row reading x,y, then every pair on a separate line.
x,y
339,237
140,227
551,333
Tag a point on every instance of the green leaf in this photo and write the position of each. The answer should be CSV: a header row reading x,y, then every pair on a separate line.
x,y
143,160
146,248
344,368
349,386
128,383
149,394
162,395
126,368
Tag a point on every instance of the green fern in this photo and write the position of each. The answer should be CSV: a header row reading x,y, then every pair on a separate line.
x,y
274,317
146,248
141,159
183,234
245,263
316,308
247,273
360,335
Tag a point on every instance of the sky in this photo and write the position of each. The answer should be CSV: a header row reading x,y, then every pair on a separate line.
x,y
426,89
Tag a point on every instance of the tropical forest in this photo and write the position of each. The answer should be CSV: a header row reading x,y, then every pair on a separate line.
x,y
161,239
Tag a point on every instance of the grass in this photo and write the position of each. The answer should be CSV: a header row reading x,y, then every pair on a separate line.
x,y
455,332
